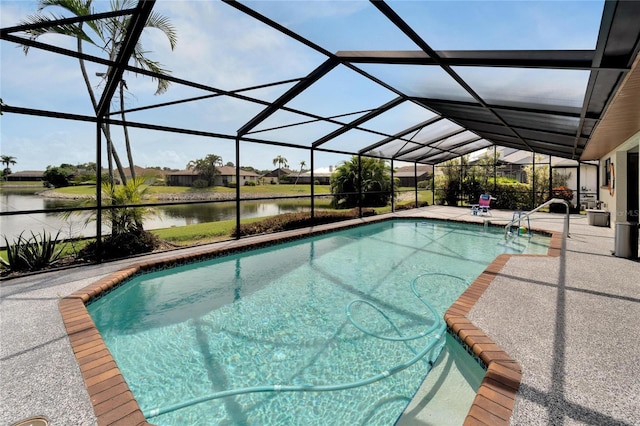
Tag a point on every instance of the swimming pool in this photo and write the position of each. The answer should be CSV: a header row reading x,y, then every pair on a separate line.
x,y
278,316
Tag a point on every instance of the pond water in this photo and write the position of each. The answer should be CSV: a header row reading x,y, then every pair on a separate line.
x,y
167,216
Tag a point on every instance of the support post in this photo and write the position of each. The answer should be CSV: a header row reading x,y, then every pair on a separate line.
x,y
495,168
237,187
313,187
99,189
533,185
392,189
433,185
359,186
415,182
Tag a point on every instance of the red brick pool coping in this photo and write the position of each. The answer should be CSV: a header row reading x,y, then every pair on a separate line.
x,y
114,404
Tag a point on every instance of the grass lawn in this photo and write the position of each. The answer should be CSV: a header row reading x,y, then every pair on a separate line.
x,y
257,190
200,232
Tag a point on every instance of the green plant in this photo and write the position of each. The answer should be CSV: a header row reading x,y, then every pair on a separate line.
x,y
362,181
126,222
411,205
249,183
448,183
116,246
31,254
124,219
562,192
200,183
58,176
207,167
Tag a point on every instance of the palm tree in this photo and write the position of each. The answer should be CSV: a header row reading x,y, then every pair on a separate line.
x,y
280,161
125,219
110,33
7,160
206,167
371,177
302,166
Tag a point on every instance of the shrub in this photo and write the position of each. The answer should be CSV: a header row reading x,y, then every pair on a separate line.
x,y
562,192
160,181
411,205
424,184
249,183
512,196
288,221
31,254
200,183
116,246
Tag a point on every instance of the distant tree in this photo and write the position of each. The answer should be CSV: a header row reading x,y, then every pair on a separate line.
x,y
375,180
59,176
302,166
7,160
449,181
207,167
479,177
229,164
90,166
538,178
280,162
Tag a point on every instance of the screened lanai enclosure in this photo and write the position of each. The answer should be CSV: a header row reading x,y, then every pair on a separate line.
x,y
456,98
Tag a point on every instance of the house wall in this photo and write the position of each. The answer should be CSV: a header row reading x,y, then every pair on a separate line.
x,y
181,180
410,181
322,180
222,180
20,178
616,204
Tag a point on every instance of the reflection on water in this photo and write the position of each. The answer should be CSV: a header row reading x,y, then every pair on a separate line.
x,y
200,213
167,216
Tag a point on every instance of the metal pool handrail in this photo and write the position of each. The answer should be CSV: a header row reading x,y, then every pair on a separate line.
x,y
508,226
439,326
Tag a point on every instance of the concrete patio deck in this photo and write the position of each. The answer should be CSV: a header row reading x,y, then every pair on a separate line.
x,y
570,322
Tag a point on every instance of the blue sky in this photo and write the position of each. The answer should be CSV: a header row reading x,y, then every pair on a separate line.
x,y
221,47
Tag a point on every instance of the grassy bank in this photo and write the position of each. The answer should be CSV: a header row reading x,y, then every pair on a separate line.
x,y
208,232
253,190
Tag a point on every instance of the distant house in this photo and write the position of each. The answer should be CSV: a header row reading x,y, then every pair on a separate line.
x,y
321,175
408,175
25,175
276,175
181,178
226,175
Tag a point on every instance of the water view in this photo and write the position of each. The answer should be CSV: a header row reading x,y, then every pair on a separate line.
x,y
167,216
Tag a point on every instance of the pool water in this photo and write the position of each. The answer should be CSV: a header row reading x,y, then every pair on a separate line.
x,y
278,316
